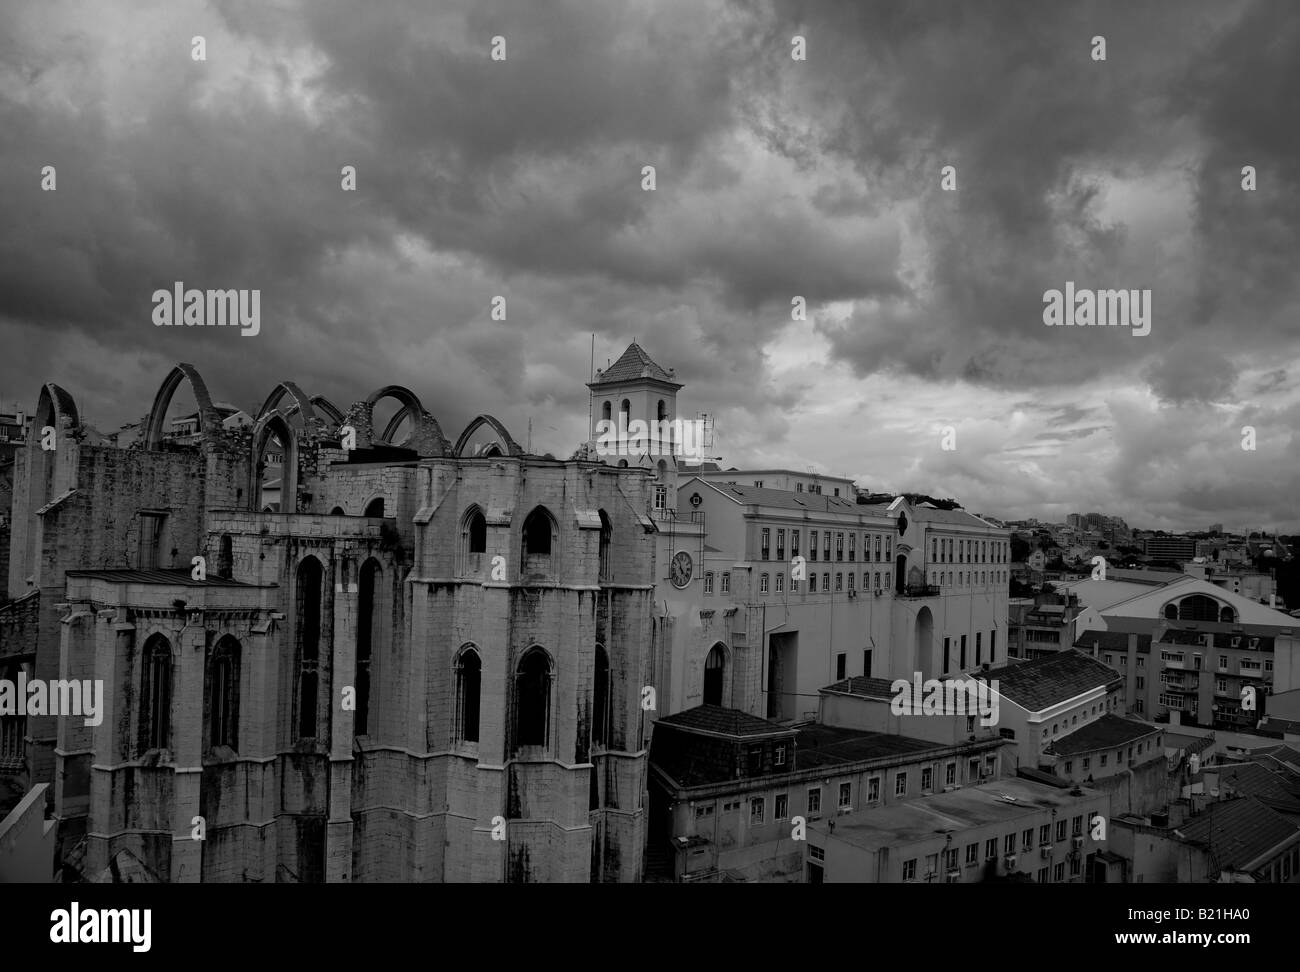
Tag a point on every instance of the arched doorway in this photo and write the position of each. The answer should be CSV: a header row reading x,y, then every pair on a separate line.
x,y
715,667
923,651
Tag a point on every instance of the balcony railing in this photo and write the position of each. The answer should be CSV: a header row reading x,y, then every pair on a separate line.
x,y
921,590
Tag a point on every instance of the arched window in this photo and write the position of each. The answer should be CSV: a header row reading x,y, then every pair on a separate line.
x,y
469,678
663,469
368,622
714,668
375,507
1227,615
311,578
626,407
475,531
533,698
605,411
600,699
156,694
1171,611
622,464
537,533
1198,607
337,511
222,695
606,536
226,557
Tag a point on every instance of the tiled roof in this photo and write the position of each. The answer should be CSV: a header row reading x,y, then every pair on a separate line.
x,y
832,746
1111,641
868,688
1050,679
1237,832
929,514
1253,780
1105,732
173,578
786,500
727,722
634,365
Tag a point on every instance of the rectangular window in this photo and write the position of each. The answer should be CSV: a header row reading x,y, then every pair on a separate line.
x,y
1058,873
853,543
909,870
826,581
661,497
1103,759
1027,839
850,579
708,582
993,646
841,665
781,806
927,779
1076,826
900,784
839,546
1141,662
873,789
1042,875
950,774
979,647
990,848
726,582
839,581
794,542
778,754
151,525
780,545
946,653
972,853
878,548
765,544
1045,834
1009,844
889,547
756,809
812,544
812,583
934,549
963,653
846,790
1141,682
780,583
826,545
762,583
815,800
706,811
866,662
1060,831
816,853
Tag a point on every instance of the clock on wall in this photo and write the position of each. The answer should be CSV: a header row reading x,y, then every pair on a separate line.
x,y
680,569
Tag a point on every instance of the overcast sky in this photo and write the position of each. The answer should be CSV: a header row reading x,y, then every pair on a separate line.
x,y
775,178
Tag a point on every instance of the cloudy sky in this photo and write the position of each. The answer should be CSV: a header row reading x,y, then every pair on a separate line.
x,y
775,178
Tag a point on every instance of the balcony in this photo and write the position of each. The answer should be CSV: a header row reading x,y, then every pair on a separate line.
x,y
920,590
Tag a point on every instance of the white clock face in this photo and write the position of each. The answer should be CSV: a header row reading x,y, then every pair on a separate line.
x,y
680,569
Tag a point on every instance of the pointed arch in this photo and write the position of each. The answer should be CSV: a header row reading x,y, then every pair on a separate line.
x,y
301,403
274,424
425,437
468,667
209,417
498,436
326,407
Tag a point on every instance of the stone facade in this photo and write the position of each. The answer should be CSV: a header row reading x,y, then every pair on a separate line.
x,y
491,629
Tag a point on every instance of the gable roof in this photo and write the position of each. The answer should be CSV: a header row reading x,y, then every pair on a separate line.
x,y
1237,833
784,499
1106,732
633,365
724,721
1051,679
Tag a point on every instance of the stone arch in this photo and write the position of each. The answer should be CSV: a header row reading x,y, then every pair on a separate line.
x,y
301,403
276,423
209,417
504,444
328,408
426,436
715,675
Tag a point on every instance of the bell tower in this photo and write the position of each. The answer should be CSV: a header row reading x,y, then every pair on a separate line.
x,y
634,420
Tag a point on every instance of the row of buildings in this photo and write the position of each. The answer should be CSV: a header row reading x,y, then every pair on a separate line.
x,y
404,657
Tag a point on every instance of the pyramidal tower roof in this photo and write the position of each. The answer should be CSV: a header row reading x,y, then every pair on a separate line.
x,y
634,365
